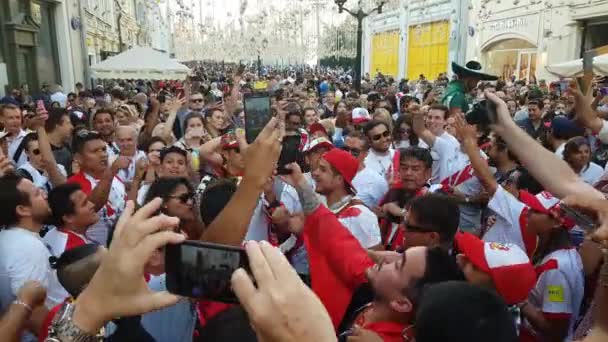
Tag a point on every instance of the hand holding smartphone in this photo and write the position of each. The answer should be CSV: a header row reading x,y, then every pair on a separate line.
x,y
203,270
257,114
41,110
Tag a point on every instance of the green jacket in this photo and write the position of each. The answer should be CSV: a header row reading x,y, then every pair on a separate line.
x,y
454,96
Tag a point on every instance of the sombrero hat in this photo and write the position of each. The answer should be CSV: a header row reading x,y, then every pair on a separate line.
x,y
472,69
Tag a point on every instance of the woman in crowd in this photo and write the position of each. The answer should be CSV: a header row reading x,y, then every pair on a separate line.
x,y
577,153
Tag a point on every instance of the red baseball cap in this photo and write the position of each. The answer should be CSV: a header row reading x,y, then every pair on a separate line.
x,y
507,264
546,203
360,116
317,127
344,163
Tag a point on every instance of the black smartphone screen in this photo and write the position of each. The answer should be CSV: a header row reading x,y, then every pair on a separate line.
x,y
257,115
290,153
203,270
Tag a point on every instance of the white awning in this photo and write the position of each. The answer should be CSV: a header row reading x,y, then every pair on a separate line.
x,y
574,68
141,63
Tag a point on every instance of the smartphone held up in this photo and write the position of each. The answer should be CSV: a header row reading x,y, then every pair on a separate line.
x,y
203,270
257,114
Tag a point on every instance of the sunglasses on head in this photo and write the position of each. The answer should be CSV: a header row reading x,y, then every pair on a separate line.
x,y
377,137
355,152
86,134
185,197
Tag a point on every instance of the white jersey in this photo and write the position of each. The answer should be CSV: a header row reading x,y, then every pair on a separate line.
x,y
591,174
451,163
510,226
560,288
361,222
382,164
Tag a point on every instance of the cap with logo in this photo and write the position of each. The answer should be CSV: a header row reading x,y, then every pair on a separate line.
x,y
507,264
346,165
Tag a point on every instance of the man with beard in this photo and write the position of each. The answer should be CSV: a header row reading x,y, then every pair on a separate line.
x,y
343,273
333,178
381,156
23,255
99,181
103,123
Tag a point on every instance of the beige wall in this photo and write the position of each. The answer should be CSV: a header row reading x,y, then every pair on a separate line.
x,y
555,33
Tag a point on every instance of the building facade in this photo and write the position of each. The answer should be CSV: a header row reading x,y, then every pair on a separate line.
x,y
39,43
518,39
419,37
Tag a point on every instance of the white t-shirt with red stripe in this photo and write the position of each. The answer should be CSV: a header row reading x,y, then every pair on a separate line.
x,y
361,222
560,288
511,222
61,240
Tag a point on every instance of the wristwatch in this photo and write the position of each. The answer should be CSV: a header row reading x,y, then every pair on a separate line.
x,y
63,328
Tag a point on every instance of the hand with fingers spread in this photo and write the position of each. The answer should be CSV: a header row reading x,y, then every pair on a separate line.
x,y
176,103
118,288
280,306
263,154
586,115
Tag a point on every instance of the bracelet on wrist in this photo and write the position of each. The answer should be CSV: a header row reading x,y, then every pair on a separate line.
x,y
24,304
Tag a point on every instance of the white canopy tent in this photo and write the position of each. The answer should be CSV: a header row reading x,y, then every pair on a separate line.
x,y
141,63
572,69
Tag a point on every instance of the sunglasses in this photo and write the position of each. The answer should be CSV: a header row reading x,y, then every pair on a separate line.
x,y
185,197
417,229
355,152
197,100
377,137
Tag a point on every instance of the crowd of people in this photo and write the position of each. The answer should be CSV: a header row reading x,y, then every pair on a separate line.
x,y
446,210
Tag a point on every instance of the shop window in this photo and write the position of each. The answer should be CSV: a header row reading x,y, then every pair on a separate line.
x,y
511,58
596,35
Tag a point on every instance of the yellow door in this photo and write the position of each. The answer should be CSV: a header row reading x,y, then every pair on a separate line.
x,y
385,53
428,49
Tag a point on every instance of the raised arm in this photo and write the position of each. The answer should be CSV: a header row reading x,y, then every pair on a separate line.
x,y
174,107
50,164
586,114
420,129
552,172
208,151
151,119
469,146
230,227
